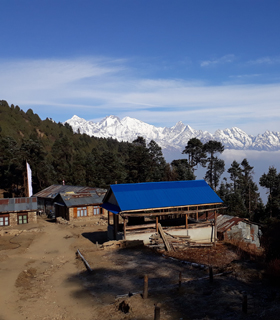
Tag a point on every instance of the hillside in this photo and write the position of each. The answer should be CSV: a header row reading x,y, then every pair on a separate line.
x,y
55,153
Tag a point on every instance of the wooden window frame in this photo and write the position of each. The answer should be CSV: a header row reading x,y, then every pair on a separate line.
x,y
82,212
4,218
22,215
96,210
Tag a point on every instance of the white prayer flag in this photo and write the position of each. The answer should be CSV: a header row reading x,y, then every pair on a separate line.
x,y
29,179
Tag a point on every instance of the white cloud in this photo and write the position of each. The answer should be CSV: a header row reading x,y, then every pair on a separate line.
x,y
265,60
94,88
225,59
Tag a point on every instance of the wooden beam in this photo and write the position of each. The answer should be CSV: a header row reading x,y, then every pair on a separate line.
x,y
215,233
151,213
141,226
157,224
187,218
186,206
124,229
115,226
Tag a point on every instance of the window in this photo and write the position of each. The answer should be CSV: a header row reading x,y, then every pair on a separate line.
x,y
4,221
96,210
22,219
82,212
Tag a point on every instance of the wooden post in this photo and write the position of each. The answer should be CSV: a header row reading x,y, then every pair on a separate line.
x,y
124,228
187,217
157,224
215,231
145,289
157,312
180,279
116,225
244,302
196,213
210,274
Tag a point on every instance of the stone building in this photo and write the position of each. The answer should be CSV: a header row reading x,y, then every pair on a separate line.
x,y
17,211
79,205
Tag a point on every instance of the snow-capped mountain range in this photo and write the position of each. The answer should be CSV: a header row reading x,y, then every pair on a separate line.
x,y
176,137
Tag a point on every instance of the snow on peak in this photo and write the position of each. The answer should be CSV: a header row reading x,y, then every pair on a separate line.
x,y
75,117
128,129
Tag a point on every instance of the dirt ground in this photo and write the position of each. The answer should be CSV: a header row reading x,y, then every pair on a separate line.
x,y
41,278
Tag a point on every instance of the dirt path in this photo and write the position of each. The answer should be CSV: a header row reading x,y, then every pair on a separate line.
x,y
36,283
40,278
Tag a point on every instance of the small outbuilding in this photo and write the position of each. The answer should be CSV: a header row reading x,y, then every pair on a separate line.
x,y
137,210
17,211
237,229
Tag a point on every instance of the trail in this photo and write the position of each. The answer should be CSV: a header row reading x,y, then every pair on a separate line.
x,y
41,282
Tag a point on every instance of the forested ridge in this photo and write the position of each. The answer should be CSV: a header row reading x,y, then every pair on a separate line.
x,y
55,153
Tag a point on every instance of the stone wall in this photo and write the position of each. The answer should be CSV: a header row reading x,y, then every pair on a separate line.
x,y
72,214
13,218
32,217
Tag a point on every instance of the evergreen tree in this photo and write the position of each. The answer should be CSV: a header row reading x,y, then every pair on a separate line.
x,y
138,161
271,181
215,166
196,153
157,162
182,170
241,195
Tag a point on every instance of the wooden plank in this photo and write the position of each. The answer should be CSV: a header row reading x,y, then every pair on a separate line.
x,y
168,246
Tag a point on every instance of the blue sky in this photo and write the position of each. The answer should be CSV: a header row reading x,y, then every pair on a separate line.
x,y
210,64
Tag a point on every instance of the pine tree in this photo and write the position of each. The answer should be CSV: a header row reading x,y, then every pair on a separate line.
x,y
157,162
196,153
182,170
215,166
271,181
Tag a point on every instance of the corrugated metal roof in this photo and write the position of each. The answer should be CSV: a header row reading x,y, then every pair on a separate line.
x,y
73,200
52,191
18,204
224,222
135,196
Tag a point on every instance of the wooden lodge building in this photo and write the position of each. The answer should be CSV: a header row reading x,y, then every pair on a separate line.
x,y
71,202
137,210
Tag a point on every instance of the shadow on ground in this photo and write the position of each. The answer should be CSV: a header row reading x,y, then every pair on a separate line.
x,y
98,236
117,273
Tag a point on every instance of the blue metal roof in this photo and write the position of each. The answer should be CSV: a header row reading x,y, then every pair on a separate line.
x,y
137,196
